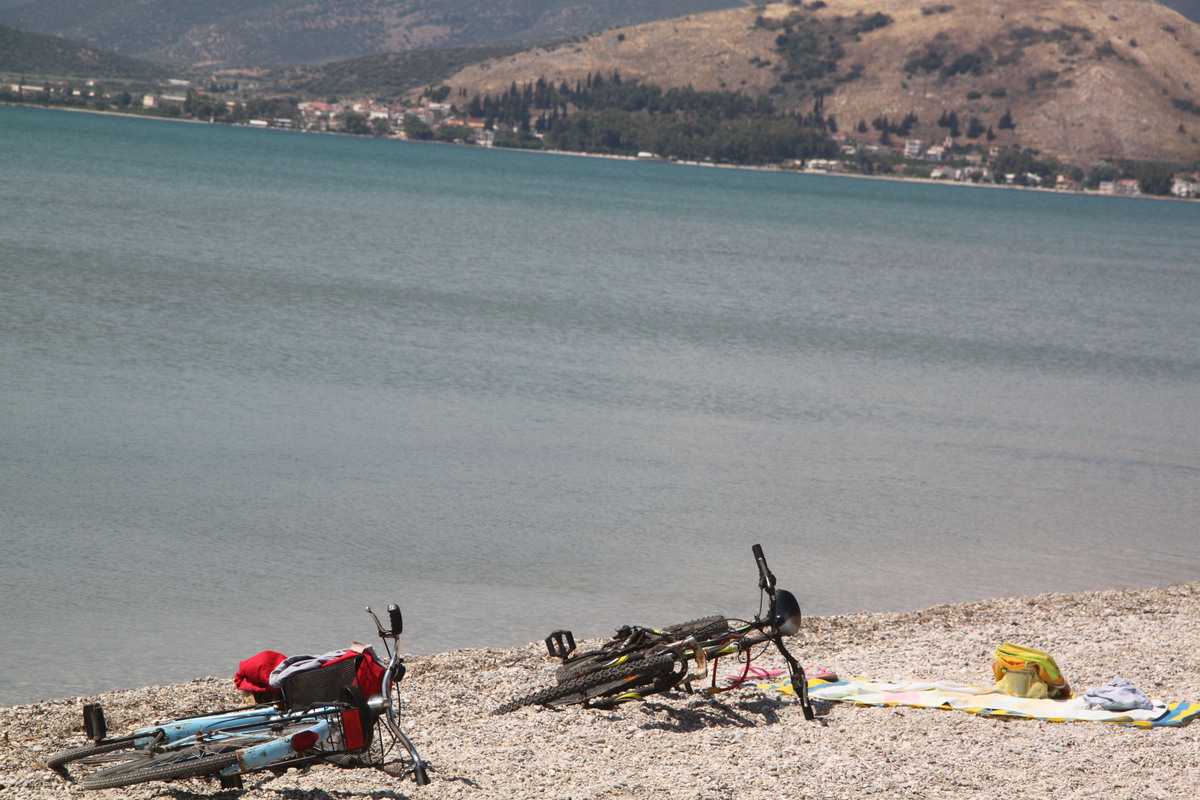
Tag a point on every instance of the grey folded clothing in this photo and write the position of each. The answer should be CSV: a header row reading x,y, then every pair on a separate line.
x,y
1117,695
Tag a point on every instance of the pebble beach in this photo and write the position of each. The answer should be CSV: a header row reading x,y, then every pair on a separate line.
x,y
747,743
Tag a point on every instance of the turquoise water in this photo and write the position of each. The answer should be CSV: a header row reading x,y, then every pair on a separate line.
x,y
252,381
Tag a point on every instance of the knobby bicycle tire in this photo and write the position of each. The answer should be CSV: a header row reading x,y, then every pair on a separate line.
x,y
632,674
589,662
684,629
192,765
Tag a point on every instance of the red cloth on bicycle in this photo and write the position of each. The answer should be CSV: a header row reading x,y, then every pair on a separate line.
x,y
254,673
370,672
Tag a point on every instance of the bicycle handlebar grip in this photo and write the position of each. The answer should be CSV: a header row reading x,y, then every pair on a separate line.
x,y
396,620
764,572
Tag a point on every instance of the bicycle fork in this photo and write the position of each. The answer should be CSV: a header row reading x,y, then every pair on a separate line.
x,y
799,681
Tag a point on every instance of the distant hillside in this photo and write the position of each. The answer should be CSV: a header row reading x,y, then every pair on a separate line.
x,y
33,54
383,77
245,33
1083,79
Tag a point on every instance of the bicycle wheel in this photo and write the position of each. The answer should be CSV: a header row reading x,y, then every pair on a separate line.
x,y
588,662
189,762
59,761
601,682
214,753
93,758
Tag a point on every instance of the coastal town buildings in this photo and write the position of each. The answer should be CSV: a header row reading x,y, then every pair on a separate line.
x,y
951,161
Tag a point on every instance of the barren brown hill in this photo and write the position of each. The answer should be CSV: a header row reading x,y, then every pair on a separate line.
x,y
1082,79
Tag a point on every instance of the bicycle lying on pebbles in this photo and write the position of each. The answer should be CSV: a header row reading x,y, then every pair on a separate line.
x,y
322,717
639,662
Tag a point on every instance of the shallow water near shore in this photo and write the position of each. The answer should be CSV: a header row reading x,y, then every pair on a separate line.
x,y
253,381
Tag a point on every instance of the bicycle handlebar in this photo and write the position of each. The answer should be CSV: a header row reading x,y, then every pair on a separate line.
x,y
394,633
766,579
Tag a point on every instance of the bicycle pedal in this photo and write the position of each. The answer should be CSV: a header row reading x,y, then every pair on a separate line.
x,y
560,644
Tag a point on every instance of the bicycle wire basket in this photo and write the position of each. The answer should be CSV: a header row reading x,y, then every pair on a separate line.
x,y
323,686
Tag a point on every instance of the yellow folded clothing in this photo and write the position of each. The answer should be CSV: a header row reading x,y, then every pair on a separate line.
x,y
1025,672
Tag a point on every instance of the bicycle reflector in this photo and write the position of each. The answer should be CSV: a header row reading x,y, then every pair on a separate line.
x,y
787,613
304,740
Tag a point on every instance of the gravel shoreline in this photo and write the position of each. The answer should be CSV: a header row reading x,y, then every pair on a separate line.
x,y
748,743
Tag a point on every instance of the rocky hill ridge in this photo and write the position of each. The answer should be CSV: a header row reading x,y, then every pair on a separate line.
x,y
1083,79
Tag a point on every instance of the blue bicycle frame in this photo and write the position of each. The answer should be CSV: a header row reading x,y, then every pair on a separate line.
x,y
228,744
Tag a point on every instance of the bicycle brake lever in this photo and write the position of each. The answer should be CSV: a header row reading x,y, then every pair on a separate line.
x,y
698,655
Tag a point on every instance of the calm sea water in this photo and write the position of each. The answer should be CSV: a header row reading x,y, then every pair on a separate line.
x,y
252,381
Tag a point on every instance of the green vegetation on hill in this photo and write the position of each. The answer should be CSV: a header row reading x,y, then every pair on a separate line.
x,y
383,77
626,117
242,33
811,47
751,141
35,54
944,58
132,27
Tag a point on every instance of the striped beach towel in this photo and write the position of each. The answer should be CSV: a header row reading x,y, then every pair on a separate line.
x,y
985,701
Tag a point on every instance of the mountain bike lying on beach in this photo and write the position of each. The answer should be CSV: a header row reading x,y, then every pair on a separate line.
x,y
638,662
322,717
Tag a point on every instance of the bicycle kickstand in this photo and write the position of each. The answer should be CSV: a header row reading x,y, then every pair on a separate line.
x,y
93,722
